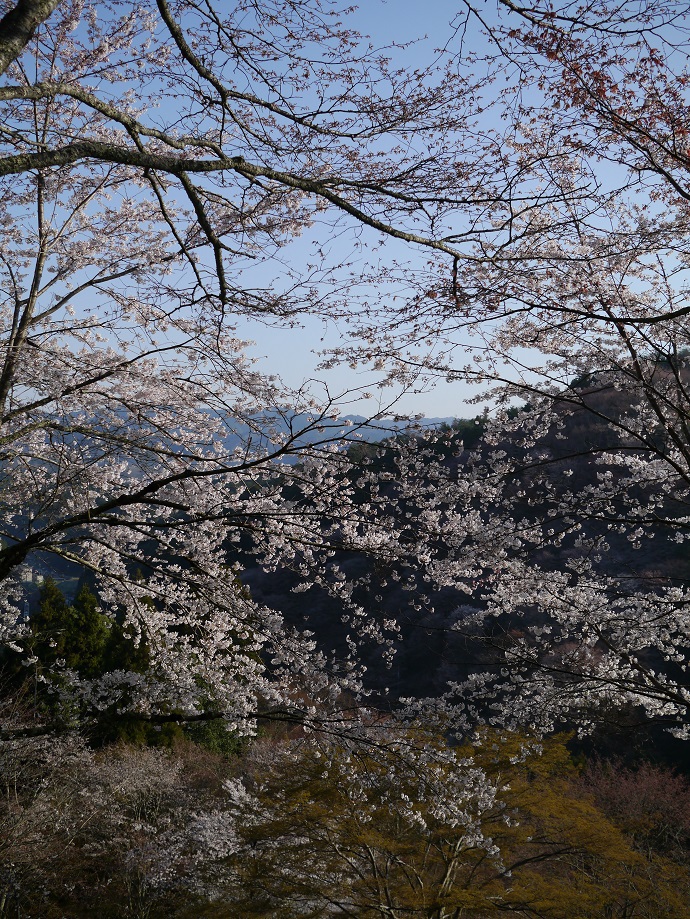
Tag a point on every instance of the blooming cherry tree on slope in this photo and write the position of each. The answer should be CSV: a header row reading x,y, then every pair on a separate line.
x,y
157,161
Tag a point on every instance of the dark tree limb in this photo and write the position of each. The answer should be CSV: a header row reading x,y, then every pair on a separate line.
x,y
18,26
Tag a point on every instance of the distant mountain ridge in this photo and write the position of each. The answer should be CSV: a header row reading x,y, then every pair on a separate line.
x,y
309,430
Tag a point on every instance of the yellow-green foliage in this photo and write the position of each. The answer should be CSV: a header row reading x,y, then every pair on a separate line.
x,y
339,833
304,827
566,858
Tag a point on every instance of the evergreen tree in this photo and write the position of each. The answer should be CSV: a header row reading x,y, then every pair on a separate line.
x,y
87,634
49,624
76,634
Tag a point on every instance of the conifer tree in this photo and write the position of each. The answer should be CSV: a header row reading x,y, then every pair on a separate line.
x,y
50,624
75,634
87,634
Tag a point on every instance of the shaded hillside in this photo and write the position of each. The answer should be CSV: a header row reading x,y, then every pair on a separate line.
x,y
557,471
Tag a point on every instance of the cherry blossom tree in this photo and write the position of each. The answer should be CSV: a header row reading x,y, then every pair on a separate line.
x,y
573,298
606,302
122,377
158,162
173,174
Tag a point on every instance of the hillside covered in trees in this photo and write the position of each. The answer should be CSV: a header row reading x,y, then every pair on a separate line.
x,y
251,663
183,818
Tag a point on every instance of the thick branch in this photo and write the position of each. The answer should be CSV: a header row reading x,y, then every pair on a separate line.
x,y
18,26
178,165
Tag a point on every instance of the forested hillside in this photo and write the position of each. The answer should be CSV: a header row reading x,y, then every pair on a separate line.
x,y
211,824
253,664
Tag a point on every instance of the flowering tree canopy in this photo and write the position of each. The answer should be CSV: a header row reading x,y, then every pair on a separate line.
x,y
157,162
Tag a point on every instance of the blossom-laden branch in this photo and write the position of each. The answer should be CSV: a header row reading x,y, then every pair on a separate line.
x,y
142,443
